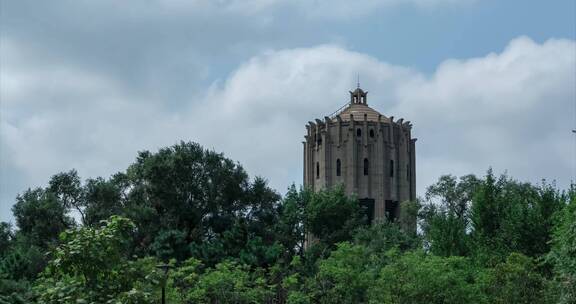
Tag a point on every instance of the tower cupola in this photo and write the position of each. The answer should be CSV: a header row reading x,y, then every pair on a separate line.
x,y
358,96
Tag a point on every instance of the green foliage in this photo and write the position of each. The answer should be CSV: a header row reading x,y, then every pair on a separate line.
x,y
351,269
22,262
15,292
446,215
515,281
345,276
383,236
293,283
133,282
290,227
408,219
419,278
446,234
230,239
66,187
454,196
170,244
563,252
185,277
227,282
6,237
91,266
508,216
92,253
331,215
257,253
489,218
203,195
104,198
40,217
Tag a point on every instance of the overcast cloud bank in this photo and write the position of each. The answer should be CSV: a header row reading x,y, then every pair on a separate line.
x,y
511,110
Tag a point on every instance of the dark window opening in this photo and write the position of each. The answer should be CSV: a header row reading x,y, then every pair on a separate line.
x,y
358,132
407,172
319,141
338,167
390,210
365,166
391,168
367,207
317,170
371,133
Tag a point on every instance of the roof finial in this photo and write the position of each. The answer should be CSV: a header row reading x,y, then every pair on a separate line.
x,y
358,77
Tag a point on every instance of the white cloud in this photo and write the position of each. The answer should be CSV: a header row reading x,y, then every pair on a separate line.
x,y
511,110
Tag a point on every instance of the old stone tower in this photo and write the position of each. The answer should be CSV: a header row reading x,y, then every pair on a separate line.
x,y
370,154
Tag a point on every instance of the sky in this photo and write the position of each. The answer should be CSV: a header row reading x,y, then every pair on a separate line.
x,y
86,84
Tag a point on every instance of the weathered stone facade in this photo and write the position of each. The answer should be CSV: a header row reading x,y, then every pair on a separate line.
x,y
370,154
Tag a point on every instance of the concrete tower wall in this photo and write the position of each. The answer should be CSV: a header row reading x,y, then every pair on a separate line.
x,y
384,145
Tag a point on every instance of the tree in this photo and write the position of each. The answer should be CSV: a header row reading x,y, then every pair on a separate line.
x,y
445,234
227,282
40,217
508,216
6,236
563,252
293,283
170,244
515,281
67,188
453,195
92,253
90,265
202,194
345,276
22,262
381,237
15,292
446,215
332,216
104,198
419,278
290,227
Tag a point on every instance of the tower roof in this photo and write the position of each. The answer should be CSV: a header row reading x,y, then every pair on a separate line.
x,y
359,108
358,92
358,111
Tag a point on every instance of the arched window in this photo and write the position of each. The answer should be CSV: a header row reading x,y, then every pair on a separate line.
x,y
338,168
391,168
358,132
372,133
365,166
317,170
